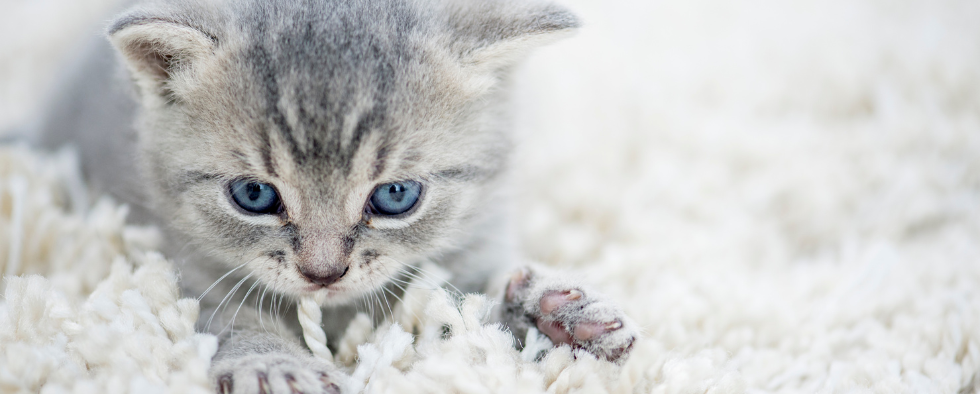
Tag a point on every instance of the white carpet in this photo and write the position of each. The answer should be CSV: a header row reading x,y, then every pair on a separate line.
x,y
784,195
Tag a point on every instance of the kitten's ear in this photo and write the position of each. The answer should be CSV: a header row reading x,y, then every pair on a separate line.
x,y
159,53
497,33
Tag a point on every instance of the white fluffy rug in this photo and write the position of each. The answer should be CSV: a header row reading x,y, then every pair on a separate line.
x,y
786,196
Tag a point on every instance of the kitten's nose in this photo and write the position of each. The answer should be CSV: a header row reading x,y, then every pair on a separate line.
x,y
325,278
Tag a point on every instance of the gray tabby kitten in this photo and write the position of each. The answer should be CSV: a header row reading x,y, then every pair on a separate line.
x,y
328,147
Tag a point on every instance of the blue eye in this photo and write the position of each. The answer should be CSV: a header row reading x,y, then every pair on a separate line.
x,y
395,198
255,197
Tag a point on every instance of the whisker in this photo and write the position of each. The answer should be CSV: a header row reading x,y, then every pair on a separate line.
x,y
404,305
429,274
370,305
378,297
425,276
220,279
272,303
259,304
390,311
223,300
274,307
245,298
413,275
361,303
279,306
395,282
410,284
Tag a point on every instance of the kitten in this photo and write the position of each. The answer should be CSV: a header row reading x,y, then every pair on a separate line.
x,y
322,147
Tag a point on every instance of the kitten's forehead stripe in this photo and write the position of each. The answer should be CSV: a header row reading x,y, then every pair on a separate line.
x,y
242,158
327,66
379,162
265,150
266,75
198,176
467,173
191,178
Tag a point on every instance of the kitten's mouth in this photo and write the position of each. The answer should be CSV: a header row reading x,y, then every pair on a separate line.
x,y
322,292
313,287
336,294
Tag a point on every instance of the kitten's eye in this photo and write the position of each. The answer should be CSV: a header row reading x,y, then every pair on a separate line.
x,y
255,197
395,198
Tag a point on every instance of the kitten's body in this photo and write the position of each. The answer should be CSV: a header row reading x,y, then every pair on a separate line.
x,y
323,101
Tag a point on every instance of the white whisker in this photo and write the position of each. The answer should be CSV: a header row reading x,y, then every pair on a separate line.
x,y
245,298
223,300
259,303
220,279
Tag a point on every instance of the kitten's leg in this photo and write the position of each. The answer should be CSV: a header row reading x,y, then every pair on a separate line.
x,y
567,313
268,359
259,350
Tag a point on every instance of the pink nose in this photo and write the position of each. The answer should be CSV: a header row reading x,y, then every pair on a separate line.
x,y
325,278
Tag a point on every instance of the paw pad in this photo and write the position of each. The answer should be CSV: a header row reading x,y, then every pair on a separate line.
x,y
587,330
555,299
568,315
555,331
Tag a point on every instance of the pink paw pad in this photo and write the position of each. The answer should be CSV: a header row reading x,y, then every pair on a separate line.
x,y
556,299
582,331
585,331
568,316
555,331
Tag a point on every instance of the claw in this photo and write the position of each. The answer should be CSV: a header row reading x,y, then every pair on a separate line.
x,y
566,315
291,381
554,300
618,355
263,383
329,386
587,330
225,384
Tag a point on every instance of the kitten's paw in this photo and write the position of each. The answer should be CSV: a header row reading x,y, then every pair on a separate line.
x,y
273,374
568,315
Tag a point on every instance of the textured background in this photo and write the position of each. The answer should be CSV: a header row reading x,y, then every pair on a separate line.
x,y
784,194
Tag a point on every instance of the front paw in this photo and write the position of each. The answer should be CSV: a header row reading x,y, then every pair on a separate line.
x,y
273,373
568,315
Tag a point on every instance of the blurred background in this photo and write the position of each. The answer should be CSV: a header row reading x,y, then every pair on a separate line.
x,y
770,187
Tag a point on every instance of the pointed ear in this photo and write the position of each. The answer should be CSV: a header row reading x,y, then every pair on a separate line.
x,y
159,53
497,33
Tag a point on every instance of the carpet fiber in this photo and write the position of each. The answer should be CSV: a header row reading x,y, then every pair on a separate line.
x,y
785,196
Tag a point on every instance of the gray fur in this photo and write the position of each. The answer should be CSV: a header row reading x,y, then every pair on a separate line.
x,y
324,99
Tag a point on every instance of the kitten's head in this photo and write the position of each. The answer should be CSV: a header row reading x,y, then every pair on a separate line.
x,y
324,143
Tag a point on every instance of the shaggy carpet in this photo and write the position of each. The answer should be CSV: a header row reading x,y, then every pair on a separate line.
x,y
783,194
